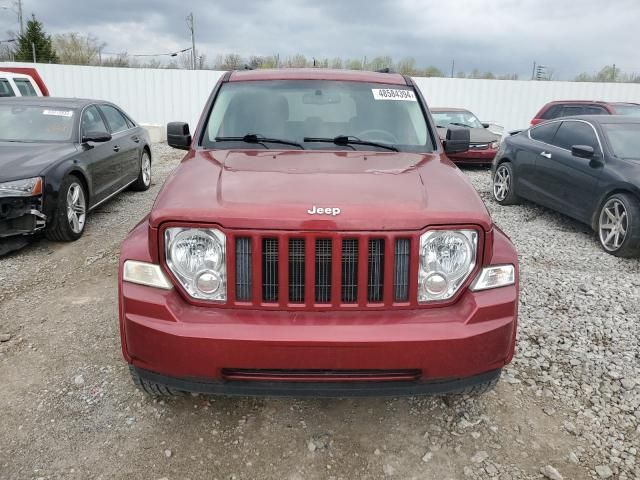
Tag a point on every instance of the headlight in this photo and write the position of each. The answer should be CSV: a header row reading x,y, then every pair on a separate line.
x,y
197,257
28,187
447,257
495,145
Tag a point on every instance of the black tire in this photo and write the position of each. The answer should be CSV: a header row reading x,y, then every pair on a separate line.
x,y
504,174
630,245
481,388
59,228
143,182
153,389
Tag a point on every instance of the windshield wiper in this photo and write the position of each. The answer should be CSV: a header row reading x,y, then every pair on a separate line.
x,y
461,124
259,139
348,140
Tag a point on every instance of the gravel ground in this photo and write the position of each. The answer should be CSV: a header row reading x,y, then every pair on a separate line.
x,y
568,406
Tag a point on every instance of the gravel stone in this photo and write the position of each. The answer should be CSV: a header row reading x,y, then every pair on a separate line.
x,y
604,471
551,473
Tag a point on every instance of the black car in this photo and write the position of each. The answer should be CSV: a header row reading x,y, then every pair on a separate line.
x,y
586,167
60,158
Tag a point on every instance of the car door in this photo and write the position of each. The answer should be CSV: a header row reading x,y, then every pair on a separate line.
x,y
536,141
127,142
97,158
565,182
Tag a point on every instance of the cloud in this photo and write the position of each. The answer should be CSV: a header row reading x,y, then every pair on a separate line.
x,y
503,36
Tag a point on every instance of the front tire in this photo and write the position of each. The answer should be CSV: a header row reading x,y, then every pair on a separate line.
x,y
504,185
143,181
619,225
70,215
153,389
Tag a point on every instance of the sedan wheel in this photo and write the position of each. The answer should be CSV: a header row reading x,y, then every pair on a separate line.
x,y
76,208
501,183
614,225
146,169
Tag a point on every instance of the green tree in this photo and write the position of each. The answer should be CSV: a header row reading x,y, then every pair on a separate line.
x,y
35,38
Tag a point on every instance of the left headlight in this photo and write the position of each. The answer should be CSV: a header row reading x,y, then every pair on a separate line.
x,y
447,257
495,145
27,187
197,258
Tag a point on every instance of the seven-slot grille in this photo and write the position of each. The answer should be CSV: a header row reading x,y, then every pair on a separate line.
x,y
316,269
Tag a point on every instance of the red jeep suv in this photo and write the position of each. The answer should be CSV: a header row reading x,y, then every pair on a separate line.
x,y
315,240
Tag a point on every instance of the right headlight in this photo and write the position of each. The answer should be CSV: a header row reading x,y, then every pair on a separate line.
x,y
447,257
197,258
28,187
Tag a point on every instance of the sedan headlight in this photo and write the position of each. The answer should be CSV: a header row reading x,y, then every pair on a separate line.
x,y
27,187
197,258
495,145
447,257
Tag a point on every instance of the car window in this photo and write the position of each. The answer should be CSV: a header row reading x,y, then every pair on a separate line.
x,y
630,110
573,133
545,132
624,139
595,110
25,87
572,110
92,121
457,118
295,109
552,112
36,123
5,88
115,119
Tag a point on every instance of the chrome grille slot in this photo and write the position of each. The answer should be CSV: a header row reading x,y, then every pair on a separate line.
x,y
401,270
375,274
270,269
323,270
349,270
296,270
243,269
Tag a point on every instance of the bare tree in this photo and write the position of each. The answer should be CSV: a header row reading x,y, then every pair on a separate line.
x,y
406,66
336,63
76,49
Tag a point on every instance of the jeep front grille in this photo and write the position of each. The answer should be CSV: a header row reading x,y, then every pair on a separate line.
x,y
316,269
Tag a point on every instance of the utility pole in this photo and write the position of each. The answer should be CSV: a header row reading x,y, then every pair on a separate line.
x,y
193,40
533,71
19,2
613,74
33,50
453,66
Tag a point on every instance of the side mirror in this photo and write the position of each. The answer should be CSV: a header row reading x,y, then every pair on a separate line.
x,y
457,140
486,125
582,151
178,135
96,137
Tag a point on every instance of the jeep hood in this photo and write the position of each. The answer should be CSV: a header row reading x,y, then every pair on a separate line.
x,y
269,189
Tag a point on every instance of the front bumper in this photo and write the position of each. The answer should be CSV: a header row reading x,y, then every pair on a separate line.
x,y
236,351
474,156
20,216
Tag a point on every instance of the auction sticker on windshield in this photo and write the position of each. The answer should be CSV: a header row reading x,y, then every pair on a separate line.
x,y
58,113
393,94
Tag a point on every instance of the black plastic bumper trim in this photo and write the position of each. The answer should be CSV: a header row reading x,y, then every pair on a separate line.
x,y
311,389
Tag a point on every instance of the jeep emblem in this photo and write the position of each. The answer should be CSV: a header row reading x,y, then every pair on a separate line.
x,y
324,211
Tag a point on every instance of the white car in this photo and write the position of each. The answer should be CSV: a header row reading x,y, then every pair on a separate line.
x,y
18,85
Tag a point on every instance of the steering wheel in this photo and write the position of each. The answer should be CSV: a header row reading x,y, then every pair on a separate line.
x,y
374,132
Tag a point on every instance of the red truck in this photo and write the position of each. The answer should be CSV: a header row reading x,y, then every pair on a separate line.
x,y
21,82
315,240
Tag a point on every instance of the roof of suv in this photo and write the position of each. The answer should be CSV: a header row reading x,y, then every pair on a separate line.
x,y
317,74
593,102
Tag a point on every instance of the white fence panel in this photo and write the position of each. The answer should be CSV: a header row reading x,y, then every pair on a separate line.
x,y
158,96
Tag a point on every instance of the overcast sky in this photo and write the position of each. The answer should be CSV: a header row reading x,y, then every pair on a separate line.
x,y
502,36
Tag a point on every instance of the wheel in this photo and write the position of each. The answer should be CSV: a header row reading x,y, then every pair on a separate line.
x,y
619,225
143,181
481,388
503,185
70,215
153,389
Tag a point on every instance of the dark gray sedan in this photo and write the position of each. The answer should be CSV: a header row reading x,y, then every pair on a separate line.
x,y
60,158
586,167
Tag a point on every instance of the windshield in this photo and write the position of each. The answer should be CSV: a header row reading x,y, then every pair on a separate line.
x,y
624,139
22,123
313,112
458,118
630,110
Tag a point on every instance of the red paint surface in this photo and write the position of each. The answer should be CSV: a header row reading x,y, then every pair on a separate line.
x,y
33,73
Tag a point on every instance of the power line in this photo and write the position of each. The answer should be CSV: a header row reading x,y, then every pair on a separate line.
x,y
169,54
